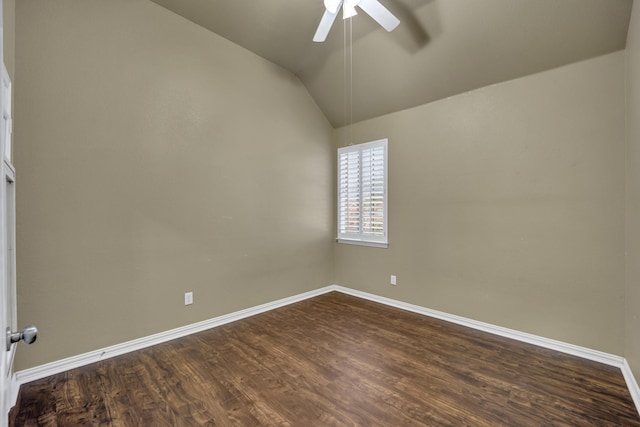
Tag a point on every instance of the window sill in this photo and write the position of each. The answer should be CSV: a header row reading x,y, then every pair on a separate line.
x,y
364,243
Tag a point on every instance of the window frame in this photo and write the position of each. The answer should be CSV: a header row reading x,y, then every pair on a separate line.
x,y
364,238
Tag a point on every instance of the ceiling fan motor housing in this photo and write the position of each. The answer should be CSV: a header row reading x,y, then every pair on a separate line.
x,y
372,7
332,5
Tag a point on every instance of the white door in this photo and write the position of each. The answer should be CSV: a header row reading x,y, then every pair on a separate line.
x,y
8,317
7,205
8,279
8,296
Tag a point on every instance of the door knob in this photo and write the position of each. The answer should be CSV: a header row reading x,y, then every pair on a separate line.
x,y
28,335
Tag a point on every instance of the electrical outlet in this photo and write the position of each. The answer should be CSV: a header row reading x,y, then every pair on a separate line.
x,y
188,298
393,280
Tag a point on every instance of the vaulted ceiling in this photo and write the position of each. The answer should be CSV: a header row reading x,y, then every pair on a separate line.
x,y
441,47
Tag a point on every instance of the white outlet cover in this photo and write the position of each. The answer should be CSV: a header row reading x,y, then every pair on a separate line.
x,y
393,279
188,298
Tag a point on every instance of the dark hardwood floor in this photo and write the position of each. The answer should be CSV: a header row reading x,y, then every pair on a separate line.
x,y
334,360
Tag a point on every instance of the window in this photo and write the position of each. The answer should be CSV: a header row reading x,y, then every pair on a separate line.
x,y
362,194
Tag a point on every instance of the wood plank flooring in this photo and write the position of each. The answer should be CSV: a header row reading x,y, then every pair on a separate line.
x,y
334,360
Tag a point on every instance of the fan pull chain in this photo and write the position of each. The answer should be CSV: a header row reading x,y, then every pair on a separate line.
x,y
348,80
351,80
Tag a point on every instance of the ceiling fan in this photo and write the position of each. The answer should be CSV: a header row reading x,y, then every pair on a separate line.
x,y
372,7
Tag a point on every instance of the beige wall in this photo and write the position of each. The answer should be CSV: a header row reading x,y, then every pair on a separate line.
x,y
632,348
507,205
156,158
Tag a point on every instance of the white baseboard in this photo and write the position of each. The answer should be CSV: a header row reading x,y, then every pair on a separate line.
x,y
38,372
586,353
583,352
42,371
632,384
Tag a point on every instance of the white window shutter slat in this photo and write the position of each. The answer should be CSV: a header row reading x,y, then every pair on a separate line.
x,y
362,193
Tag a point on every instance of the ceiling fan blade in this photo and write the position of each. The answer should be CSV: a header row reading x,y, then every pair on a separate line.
x,y
380,14
325,25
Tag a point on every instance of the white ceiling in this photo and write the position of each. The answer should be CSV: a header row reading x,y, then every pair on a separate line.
x,y
441,48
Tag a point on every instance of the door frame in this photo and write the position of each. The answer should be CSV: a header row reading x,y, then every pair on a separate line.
x,y
7,287
8,392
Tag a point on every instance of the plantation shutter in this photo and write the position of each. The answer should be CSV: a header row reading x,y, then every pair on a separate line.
x,y
362,193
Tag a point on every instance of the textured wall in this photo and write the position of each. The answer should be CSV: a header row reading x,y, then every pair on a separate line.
x,y
632,349
156,158
507,205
